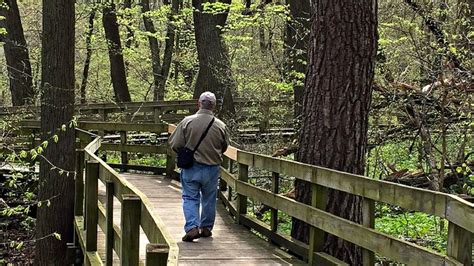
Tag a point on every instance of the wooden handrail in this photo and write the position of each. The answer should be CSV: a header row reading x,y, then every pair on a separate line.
x,y
151,224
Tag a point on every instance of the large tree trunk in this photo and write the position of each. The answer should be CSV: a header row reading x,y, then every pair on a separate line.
x,y
338,87
214,65
57,108
85,71
296,45
117,65
127,4
16,54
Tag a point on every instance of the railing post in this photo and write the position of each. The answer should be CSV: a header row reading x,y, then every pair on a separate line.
x,y
241,199
459,244
124,155
92,214
156,254
109,224
170,163
222,183
316,236
274,212
157,115
368,220
130,225
231,169
79,184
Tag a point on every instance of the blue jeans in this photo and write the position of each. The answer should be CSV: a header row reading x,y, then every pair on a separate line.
x,y
199,185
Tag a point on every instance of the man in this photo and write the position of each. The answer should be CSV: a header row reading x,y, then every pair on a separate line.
x,y
199,183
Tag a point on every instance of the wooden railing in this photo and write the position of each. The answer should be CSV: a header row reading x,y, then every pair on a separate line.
x,y
136,209
251,114
457,211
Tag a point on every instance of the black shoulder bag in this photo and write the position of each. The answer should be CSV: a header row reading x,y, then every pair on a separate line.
x,y
186,156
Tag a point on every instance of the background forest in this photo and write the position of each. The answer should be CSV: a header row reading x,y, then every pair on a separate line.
x,y
420,123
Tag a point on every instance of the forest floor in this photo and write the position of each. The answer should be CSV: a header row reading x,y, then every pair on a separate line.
x,y
14,232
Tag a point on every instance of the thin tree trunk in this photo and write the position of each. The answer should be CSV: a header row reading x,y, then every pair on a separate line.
x,y
117,65
337,95
296,45
155,51
57,108
214,65
85,71
169,43
127,4
16,55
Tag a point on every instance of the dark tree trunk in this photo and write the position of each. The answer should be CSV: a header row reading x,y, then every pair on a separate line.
x,y
16,55
214,65
57,108
117,65
85,71
337,95
296,45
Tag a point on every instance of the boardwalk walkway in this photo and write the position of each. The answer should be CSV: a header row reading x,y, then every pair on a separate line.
x,y
231,244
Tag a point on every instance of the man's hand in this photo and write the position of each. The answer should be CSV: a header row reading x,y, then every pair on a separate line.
x,y
280,152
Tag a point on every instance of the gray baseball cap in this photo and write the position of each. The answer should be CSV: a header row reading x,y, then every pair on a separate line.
x,y
207,96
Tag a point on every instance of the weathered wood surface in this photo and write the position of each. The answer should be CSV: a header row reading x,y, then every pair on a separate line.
x,y
231,244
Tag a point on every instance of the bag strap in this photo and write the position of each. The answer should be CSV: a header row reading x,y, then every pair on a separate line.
x,y
204,134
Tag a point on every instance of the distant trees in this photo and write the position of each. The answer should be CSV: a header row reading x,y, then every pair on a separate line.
x,y
16,54
56,186
337,96
215,73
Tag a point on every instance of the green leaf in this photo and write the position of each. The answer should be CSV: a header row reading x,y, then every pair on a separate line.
x,y
55,138
44,144
23,154
20,245
57,236
63,127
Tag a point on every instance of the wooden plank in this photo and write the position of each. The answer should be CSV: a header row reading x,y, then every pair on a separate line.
x,y
116,229
92,177
274,212
123,141
114,126
130,226
459,244
79,184
109,227
90,257
368,220
156,254
137,148
316,235
368,238
242,199
325,259
228,177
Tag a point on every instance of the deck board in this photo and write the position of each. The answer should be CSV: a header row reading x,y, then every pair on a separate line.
x,y
231,244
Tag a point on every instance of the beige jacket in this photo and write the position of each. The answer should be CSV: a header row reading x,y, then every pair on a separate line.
x,y
192,127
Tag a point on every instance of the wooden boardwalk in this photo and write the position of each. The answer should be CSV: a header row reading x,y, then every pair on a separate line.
x,y
231,244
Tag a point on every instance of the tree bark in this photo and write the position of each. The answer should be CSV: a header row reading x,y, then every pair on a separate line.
x,y
160,72
337,95
117,65
214,65
85,71
16,54
57,108
296,45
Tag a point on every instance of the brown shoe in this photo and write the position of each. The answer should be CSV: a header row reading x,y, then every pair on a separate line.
x,y
191,235
205,232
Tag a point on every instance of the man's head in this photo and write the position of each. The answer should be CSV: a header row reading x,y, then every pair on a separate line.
x,y
207,100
